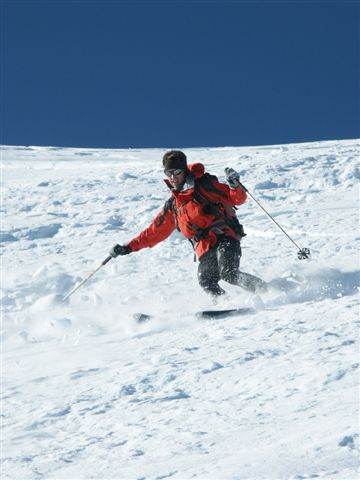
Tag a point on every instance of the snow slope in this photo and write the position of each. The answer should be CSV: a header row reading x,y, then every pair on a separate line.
x,y
88,393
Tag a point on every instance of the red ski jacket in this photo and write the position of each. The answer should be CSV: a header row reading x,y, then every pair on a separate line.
x,y
191,216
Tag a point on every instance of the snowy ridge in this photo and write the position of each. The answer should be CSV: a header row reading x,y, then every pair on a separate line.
x,y
87,393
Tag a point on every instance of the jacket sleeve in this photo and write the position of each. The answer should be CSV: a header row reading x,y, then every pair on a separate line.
x,y
237,195
161,228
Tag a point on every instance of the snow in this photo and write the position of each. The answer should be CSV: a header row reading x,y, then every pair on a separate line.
x,y
88,393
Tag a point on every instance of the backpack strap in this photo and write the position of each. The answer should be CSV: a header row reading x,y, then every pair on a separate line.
x,y
168,206
206,182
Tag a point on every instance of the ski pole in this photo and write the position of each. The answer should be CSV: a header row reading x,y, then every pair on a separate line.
x,y
303,253
107,259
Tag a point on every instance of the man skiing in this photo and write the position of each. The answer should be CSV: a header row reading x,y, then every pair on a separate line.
x,y
202,209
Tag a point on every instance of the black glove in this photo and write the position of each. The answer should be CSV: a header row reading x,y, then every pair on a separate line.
x,y
232,177
119,250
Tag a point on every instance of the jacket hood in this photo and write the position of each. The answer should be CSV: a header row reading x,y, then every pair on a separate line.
x,y
196,169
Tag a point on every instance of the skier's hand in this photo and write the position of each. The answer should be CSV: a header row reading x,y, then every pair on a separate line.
x,y
232,177
119,250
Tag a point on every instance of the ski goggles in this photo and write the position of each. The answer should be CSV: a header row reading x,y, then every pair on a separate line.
x,y
174,171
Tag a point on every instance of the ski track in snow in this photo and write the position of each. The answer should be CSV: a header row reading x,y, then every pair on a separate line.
x,y
87,393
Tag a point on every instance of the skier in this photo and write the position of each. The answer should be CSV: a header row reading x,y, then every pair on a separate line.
x,y
202,209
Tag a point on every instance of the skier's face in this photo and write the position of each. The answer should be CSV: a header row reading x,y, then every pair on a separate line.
x,y
176,178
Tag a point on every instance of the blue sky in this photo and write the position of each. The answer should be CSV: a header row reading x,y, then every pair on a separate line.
x,y
178,73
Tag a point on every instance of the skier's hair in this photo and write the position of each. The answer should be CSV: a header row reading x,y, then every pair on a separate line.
x,y
175,159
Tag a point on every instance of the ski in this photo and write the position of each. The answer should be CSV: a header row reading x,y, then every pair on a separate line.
x,y
231,312
202,314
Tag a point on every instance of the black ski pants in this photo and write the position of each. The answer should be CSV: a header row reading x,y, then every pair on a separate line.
x,y
222,262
